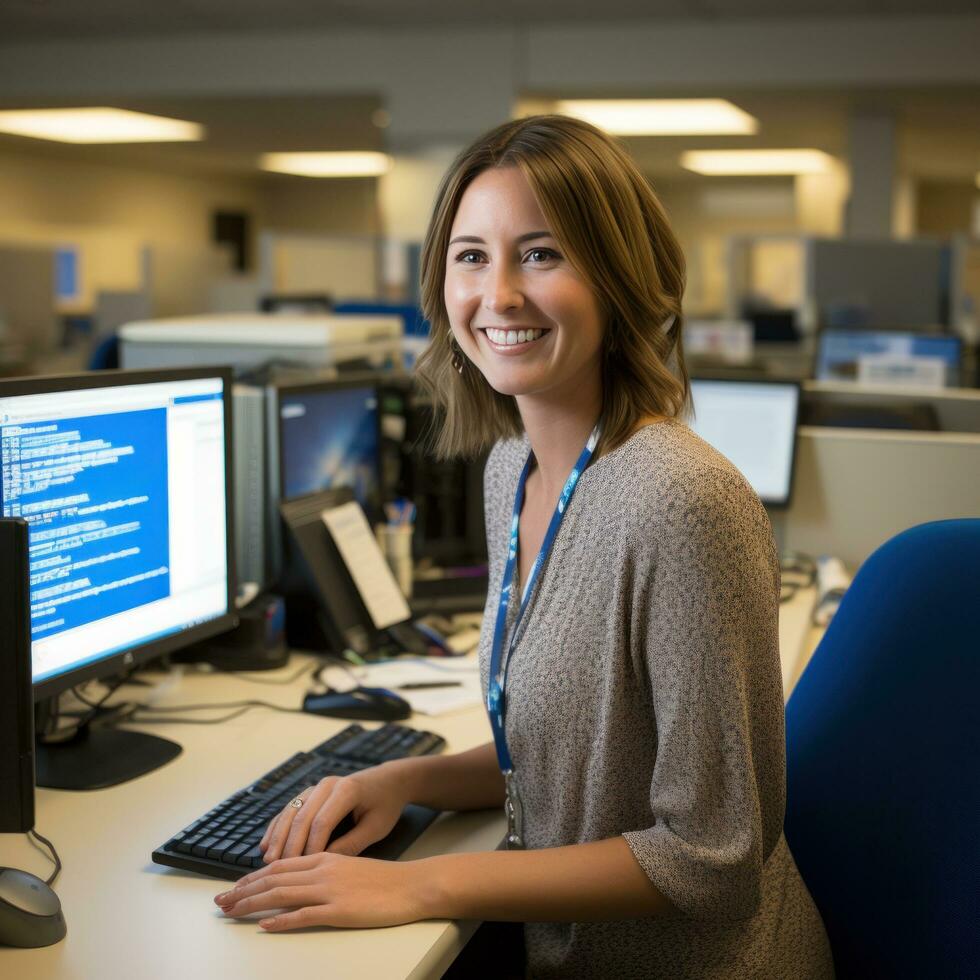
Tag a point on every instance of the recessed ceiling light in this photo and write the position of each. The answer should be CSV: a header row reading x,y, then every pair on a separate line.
x,y
338,164
97,125
661,117
730,163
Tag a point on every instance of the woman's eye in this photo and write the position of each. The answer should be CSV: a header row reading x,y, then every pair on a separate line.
x,y
538,255
469,257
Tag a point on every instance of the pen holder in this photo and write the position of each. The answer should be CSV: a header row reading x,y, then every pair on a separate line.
x,y
397,546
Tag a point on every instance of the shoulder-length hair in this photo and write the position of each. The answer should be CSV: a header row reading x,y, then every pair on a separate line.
x,y
615,232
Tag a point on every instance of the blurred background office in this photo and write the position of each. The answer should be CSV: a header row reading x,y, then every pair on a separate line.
x,y
820,162
874,105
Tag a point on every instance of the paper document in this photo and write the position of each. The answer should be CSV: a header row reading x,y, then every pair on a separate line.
x,y
359,548
393,674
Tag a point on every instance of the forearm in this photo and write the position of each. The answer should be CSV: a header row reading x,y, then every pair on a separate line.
x,y
577,883
463,781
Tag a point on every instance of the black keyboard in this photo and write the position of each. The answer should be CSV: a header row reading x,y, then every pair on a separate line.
x,y
224,842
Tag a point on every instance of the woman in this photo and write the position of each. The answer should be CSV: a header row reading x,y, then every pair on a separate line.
x,y
629,650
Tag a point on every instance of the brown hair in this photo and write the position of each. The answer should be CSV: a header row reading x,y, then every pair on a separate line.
x,y
615,232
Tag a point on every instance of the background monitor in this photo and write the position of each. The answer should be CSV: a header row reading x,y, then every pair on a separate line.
x,y
753,424
849,355
124,480
328,437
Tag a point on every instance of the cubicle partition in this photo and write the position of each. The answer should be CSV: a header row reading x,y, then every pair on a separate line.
x,y
856,488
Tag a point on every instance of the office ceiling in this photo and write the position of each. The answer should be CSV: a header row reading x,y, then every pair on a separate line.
x,y
939,127
938,130
38,20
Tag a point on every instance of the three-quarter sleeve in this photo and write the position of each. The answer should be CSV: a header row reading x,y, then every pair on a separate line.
x,y
704,632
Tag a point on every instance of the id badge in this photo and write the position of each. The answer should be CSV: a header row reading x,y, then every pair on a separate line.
x,y
515,814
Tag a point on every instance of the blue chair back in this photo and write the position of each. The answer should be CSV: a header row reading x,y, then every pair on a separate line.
x,y
883,767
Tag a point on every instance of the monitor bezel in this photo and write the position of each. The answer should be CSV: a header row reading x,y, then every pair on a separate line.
x,y
135,656
773,503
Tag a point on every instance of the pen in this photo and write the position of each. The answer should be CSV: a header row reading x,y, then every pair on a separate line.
x,y
425,685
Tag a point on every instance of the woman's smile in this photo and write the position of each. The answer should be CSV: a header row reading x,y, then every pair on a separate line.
x,y
513,340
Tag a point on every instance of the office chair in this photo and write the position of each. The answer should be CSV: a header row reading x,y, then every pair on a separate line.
x,y
883,774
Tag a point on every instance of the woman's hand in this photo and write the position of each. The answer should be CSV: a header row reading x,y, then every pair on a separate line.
x,y
374,799
330,890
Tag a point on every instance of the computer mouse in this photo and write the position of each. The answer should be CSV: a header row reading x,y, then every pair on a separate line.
x,y
30,912
361,703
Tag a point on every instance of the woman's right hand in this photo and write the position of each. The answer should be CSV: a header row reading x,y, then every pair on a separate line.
x,y
373,799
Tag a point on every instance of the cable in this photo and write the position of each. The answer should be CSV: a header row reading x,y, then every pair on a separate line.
x,y
242,707
54,854
238,675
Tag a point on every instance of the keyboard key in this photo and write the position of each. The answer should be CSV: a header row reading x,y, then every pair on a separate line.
x,y
252,858
233,853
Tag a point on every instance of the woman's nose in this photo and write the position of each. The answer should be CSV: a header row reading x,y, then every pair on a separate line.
x,y
502,290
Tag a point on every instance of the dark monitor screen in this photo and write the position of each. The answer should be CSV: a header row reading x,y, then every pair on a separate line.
x,y
875,355
329,437
753,424
123,478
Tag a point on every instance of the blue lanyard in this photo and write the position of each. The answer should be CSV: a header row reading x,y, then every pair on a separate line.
x,y
498,665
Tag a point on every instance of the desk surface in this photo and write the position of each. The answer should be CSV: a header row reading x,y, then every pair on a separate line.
x,y
130,918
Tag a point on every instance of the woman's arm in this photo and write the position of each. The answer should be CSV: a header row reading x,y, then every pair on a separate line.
x,y
576,883
464,781
600,880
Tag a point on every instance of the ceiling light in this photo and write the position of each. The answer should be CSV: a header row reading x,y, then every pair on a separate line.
x,y
661,117
345,164
97,125
730,163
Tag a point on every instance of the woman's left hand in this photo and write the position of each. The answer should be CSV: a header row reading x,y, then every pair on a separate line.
x,y
329,890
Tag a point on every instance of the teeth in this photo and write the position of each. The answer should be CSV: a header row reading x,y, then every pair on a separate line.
x,y
507,338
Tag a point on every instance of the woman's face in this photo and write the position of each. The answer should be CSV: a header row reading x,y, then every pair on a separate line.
x,y
518,308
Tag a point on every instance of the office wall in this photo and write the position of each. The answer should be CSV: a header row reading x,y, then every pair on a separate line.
x,y
111,212
705,212
946,207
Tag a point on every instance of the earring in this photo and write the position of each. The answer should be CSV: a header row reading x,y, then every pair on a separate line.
x,y
456,355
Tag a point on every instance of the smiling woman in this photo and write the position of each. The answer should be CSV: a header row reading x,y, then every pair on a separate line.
x,y
629,652
553,216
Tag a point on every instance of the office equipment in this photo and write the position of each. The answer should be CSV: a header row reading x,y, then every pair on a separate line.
x,y
753,424
882,780
258,642
254,533
16,695
296,303
324,435
250,340
30,912
129,559
359,703
224,842
888,357
334,601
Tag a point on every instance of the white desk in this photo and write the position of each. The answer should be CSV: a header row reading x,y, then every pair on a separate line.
x,y
129,919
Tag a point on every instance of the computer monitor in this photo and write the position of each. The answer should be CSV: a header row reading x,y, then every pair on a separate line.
x,y
897,357
124,479
753,424
325,435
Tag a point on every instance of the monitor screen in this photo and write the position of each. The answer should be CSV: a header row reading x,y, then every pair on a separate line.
x,y
879,356
753,424
329,438
123,480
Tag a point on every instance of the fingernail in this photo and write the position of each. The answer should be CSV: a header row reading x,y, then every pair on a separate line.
x,y
222,899
268,923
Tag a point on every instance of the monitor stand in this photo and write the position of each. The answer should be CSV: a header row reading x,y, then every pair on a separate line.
x,y
95,759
